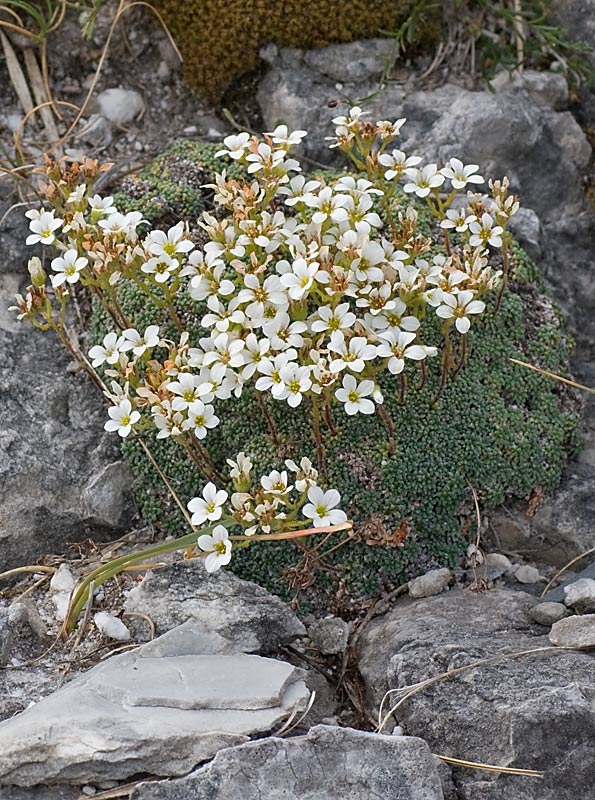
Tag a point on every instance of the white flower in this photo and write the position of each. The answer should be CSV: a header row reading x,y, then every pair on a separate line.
x,y
75,197
305,474
299,281
295,381
281,136
354,395
422,181
223,353
172,243
329,205
352,120
270,370
122,418
485,232
240,468
43,224
209,506
218,546
459,175
396,346
283,333
139,344
397,162
459,307
337,319
322,508
299,190
457,219
352,354
254,351
101,205
108,353
258,296
187,390
276,483
388,130
68,267
236,145
201,417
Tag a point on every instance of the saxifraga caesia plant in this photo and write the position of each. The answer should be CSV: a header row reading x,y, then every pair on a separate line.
x,y
307,293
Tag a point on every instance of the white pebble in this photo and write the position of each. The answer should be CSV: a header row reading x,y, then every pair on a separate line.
x,y
111,626
63,580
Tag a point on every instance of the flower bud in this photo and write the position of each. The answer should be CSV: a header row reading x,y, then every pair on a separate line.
x,y
36,271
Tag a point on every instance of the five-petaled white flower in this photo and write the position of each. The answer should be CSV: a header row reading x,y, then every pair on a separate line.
x,y
209,506
201,417
422,181
459,174
109,352
122,418
396,346
322,508
485,232
138,343
43,226
355,395
68,267
218,547
458,307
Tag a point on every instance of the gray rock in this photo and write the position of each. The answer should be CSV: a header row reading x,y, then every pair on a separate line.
x,y
574,632
557,594
433,582
525,573
548,89
576,19
120,106
519,711
329,635
327,764
547,613
447,121
135,714
499,561
96,132
580,595
527,229
353,62
225,607
52,444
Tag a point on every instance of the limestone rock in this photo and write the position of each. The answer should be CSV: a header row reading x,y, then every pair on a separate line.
x,y
574,632
580,595
329,763
120,106
329,635
521,711
223,606
135,714
433,582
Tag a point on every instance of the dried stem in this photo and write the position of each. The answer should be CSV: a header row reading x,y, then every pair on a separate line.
x,y
269,420
390,427
317,436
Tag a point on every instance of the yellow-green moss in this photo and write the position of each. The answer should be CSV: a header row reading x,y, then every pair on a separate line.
x,y
220,39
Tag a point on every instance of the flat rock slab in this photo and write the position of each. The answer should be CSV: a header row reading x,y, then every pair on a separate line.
x,y
222,607
136,714
329,763
535,711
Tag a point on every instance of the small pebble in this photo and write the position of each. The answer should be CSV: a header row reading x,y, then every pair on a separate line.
x,y
433,582
111,626
527,574
63,580
548,613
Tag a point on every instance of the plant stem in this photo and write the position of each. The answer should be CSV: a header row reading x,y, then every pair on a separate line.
x,y
463,357
505,269
317,436
269,420
390,428
328,415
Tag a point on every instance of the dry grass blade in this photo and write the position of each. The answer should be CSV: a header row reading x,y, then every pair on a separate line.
x,y
290,724
16,74
459,762
571,563
409,691
30,568
553,375
41,96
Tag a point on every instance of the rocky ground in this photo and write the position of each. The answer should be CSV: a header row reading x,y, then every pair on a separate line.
x,y
174,688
